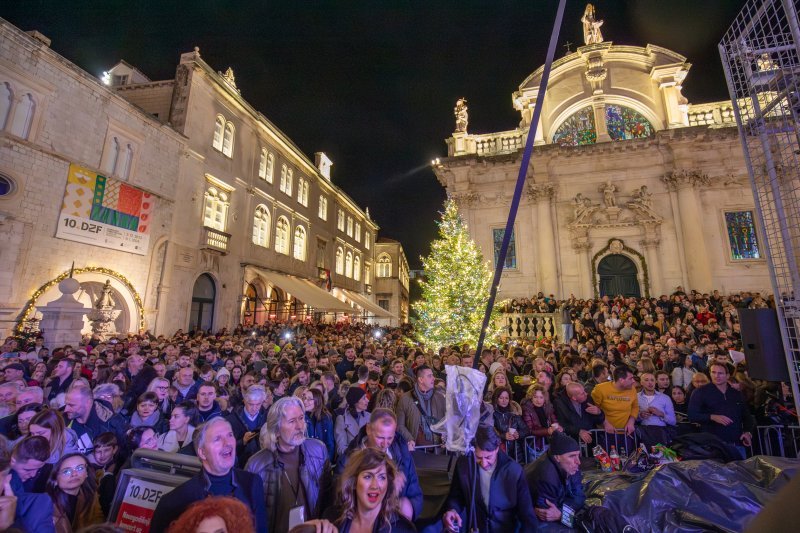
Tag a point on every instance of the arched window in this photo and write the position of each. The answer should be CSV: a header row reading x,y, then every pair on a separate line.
x,y
384,266
284,173
300,243
127,161
261,224
6,97
357,268
23,116
357,233
348,264
227,140
282,236
215,214
622,123
219,132
270,167
262,164
339,260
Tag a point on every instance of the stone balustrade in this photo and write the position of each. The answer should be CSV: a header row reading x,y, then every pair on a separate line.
x,y
504,142
531,325
215,240
712,114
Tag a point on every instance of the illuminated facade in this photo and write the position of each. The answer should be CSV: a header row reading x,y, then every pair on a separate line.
x,y
199,210
631,188
391,280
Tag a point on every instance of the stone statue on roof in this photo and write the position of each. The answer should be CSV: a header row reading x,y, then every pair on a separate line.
x,y
591,27
462,115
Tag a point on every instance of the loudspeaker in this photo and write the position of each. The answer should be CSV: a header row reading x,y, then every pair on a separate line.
x,y
763,347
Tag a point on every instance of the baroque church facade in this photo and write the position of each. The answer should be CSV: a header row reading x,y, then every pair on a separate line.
x,y
631,189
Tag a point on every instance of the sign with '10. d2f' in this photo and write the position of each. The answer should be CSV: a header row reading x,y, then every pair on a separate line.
x,y
105,212
138,505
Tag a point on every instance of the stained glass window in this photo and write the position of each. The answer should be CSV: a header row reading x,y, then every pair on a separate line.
x,y
624,123
577,130
511,255
742,235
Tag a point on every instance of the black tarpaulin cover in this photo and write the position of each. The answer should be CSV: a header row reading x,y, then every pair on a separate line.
x,y
692,496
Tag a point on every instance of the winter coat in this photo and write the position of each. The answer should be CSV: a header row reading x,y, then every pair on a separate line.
x,y
168,442
238,423
535,426
322,430
315,475
409,418
347,427
92,515
547,481
503,421
247,489
509,499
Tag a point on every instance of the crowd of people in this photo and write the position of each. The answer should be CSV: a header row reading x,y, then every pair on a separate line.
x,y
312,426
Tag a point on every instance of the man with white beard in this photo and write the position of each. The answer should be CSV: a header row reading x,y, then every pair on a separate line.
x,y
216,449
295,471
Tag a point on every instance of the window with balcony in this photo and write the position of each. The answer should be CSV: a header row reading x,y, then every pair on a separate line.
x,y
300,243
384,266
282,236
323,207
215,214
339,260
261,224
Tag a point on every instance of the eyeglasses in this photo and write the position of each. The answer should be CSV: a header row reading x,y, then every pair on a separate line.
x,y
67,472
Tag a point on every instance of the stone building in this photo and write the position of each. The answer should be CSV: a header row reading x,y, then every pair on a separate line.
x,y
392,280
198,209
631,189
86,178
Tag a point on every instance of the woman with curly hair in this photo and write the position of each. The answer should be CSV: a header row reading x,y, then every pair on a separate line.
x,y
368,495
217,514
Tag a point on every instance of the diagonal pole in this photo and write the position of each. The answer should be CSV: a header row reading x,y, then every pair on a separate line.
x,y
523,171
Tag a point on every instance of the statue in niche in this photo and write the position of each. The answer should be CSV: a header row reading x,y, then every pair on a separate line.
x,y
105,301
591,26
643,198
608,191
462,115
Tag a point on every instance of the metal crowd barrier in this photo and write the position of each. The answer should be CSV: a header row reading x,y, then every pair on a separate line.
x,y
776,440
526,450
625,444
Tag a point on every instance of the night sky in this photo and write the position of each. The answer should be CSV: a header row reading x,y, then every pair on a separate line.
x,y
373,83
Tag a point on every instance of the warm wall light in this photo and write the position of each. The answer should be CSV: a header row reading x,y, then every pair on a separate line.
x,y
106,78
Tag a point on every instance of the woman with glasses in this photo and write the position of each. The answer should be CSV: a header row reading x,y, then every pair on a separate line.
x,y
73,489
160,386
319,422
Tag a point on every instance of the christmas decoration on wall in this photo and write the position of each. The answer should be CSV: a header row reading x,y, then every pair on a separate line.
x,y
456,287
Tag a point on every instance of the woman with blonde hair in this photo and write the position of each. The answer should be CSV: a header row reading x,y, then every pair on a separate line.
x,y
368,495
499,379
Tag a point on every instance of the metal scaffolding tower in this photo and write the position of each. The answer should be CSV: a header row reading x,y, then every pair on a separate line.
x,y
761,57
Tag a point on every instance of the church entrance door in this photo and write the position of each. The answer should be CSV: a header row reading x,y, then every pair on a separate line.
x,y
618,275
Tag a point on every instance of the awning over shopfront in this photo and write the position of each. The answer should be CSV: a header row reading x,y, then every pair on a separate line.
x,y
366,304
305,291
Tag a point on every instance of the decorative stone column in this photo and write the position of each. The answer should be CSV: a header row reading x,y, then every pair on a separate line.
x,y
650,246
687,183
542,195
62,319
582,247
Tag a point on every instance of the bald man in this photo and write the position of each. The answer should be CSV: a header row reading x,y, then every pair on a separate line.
x,y
577,413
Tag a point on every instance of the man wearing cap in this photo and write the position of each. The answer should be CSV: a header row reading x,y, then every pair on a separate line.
x,y
15,371
556,488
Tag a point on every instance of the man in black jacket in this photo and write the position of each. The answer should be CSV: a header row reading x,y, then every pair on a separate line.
x,y
576,414
246,421
502,500
216,448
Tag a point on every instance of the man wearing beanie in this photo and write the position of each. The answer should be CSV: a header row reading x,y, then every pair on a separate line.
x,y
354,417
556,488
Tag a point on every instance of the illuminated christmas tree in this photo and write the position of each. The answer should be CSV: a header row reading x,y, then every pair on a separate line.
x,y
456,287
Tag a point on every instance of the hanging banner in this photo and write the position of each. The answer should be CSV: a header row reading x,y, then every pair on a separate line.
x,y
105,212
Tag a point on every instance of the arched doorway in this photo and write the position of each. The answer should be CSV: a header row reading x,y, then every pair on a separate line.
x,y
203,297
618,275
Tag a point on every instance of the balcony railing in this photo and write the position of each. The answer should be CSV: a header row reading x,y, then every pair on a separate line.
x,y
531,325
712,114
215,240
504,142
